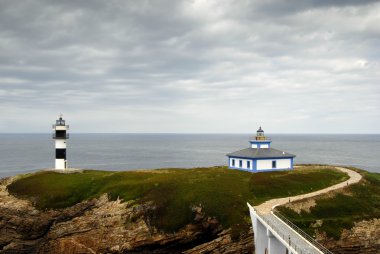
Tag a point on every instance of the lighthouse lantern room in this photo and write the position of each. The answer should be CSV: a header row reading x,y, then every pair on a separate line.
x,y
60,135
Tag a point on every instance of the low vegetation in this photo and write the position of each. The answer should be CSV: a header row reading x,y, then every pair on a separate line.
x,y
358,202
221,192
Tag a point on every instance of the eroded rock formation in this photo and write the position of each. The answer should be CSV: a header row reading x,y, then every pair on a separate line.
x,y
362,238
104,226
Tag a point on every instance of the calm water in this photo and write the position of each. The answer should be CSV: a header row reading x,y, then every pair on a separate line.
x,y
21,153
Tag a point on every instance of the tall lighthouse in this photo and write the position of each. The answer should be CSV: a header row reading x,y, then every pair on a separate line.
x,y
60,135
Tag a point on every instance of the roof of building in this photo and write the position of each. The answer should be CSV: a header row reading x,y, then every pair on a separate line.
x,y
258,153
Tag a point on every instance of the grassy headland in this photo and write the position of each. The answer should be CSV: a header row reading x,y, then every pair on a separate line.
x,y
356,203
221,192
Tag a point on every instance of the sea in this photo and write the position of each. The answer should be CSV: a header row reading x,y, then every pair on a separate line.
x,y
23,153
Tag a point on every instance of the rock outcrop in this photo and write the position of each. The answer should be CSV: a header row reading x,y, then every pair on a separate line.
x,y
224,244
104,226
363,238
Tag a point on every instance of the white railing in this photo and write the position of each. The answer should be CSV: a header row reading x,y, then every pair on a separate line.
x,y
310,239
286,238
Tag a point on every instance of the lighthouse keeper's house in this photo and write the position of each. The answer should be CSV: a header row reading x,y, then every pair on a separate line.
x,y
260,157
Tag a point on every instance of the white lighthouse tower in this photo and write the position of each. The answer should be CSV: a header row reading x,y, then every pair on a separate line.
x,y
60,135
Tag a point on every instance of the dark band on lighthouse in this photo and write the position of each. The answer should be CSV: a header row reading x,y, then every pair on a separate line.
x,y
60,153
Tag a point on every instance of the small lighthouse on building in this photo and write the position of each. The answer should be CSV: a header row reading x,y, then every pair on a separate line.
x,y
60,135
260,156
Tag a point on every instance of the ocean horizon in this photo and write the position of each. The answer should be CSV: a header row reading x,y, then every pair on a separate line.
x,y
28,152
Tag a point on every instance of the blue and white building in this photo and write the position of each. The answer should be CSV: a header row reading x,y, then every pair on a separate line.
x,y
260,157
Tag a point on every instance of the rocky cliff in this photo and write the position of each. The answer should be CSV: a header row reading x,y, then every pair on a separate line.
x,y
362,238
104,226
111,226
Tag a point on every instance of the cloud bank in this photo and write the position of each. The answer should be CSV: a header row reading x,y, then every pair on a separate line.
x,y
190,66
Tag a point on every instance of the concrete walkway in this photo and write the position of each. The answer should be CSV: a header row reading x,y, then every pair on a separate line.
x,y
299,242
265,208
296,241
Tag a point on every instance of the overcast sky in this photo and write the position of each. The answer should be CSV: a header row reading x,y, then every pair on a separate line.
x,y
190,66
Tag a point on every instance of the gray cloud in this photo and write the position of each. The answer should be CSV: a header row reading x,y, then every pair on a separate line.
x,y
190,66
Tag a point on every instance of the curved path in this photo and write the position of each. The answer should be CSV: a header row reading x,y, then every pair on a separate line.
x,y
297,242
266,207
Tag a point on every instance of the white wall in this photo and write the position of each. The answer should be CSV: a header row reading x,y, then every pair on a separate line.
x,y
61,128
60,164
275,246
244,162
60,143
261,145
261,244
267,164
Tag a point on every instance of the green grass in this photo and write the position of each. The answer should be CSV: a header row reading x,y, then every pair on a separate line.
x,y
360,202
222,192
274,185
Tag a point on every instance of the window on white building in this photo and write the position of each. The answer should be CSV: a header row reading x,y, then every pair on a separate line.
x,y
274,164
233,163
248,164
240,163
